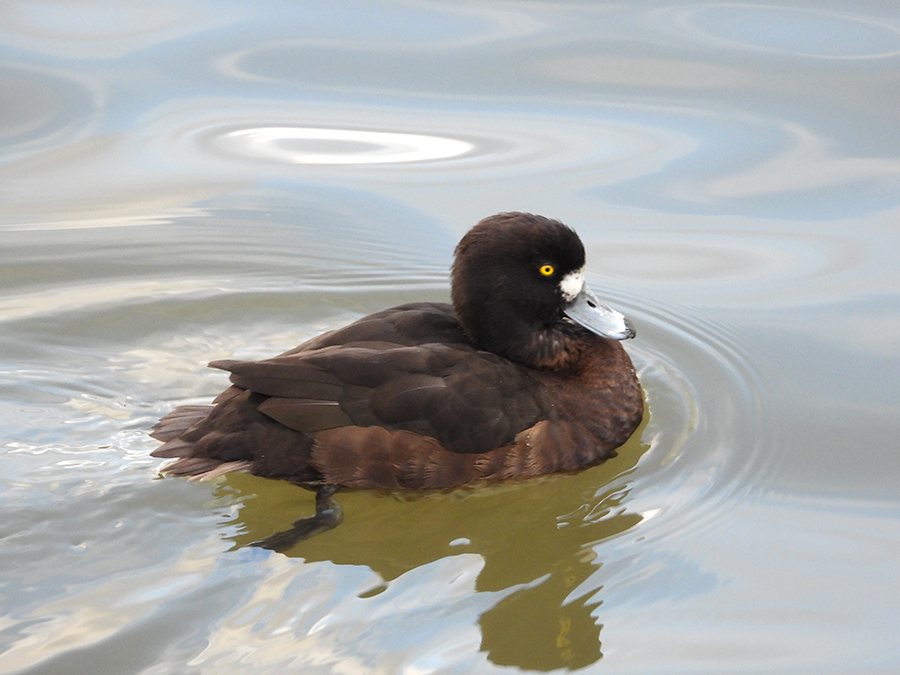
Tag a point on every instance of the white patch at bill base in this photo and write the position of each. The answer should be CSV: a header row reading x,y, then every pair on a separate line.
x,y
571,284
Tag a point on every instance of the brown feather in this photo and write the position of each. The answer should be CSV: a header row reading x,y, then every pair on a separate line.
x,y
178,421
408,398
304,414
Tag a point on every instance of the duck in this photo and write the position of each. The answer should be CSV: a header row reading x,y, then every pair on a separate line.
x,y
523,374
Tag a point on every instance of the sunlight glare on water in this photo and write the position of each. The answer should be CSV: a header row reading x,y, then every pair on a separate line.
x,y
341,146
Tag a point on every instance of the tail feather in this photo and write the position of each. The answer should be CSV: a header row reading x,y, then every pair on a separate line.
x,y
223,468
174,448
204,468
170,430
178,421
189,410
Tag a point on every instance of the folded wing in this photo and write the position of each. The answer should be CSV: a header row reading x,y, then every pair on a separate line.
x,y
469,401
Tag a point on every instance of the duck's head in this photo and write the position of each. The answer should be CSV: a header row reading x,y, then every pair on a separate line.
x,y
518,289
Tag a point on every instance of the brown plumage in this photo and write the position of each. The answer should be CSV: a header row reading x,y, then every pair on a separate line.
x,y
511,380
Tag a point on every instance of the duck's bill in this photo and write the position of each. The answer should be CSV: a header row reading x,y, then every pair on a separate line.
x,y
598,318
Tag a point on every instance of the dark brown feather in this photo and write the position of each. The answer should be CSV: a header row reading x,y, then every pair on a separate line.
x,y
304,414
405,398
467,400
178,421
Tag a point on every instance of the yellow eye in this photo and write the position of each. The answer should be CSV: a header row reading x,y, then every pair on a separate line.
x,y
547,270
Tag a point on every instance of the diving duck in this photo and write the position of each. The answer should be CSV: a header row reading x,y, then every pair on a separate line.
x,y
522,375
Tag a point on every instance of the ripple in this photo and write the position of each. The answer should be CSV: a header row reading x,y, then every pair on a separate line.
x,y
703,440
307,145
330,140
45,107
706,427
735,263
97,29
788,30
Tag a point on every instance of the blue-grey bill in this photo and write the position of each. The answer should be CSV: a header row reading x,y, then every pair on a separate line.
x,y
598,318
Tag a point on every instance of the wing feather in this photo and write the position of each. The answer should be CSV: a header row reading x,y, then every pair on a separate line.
x,y
377,372
304,414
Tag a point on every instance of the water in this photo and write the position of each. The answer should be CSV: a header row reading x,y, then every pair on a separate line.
x,y
203,180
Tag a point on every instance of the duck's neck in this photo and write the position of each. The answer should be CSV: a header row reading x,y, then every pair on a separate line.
x,y
557,346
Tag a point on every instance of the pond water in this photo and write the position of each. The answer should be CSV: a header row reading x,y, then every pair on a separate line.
x,y
184,181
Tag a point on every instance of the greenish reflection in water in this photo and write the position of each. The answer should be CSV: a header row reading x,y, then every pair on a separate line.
x,y
539,535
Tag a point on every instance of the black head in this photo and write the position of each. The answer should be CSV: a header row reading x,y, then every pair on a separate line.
x,y
514,277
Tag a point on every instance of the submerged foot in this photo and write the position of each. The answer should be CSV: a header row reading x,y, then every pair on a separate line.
x,y
328,515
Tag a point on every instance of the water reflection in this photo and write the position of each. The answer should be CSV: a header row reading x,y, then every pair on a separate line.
x,y
303,145
735,262
546,544
778,169
794,31
45,107
807,162
543,619
328,143
735,160
104,29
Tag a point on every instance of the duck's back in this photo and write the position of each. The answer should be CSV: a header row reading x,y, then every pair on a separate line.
x,y
406,325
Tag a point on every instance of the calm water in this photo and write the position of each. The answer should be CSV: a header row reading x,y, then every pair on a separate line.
x,y
183,181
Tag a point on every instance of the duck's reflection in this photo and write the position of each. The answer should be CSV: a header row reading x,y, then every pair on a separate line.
x,y
539,535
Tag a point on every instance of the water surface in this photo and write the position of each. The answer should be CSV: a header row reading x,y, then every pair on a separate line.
x,y
203,180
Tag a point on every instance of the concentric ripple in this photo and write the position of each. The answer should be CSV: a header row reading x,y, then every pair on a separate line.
x,y
705,433
332,141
